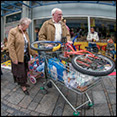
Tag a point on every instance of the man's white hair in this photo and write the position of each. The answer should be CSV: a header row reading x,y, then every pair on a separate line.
x,y
54,10
25,21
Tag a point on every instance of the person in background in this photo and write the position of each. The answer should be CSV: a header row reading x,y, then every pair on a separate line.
x,y
36,31
111,47
4,50
54,29
72,32
19,52
5,47
92,37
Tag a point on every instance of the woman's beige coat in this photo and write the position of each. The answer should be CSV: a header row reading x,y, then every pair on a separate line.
x,y
47,31
16,45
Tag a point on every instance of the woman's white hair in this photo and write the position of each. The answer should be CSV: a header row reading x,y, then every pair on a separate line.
x,y
54,10
25,21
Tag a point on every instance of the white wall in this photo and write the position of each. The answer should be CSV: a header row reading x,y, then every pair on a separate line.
x,y
76,9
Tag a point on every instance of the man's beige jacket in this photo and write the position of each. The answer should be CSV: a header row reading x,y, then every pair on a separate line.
x,y
47,31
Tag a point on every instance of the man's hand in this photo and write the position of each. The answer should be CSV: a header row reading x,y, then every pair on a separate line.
x,y
93,40
70,42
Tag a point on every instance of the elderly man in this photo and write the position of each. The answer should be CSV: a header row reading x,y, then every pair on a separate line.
x,y
92,37
54,29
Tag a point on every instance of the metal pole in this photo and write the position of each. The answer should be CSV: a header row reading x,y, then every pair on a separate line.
x,y
89,24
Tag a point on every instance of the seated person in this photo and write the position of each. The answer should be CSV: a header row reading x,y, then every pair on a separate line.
x,y
92,37
111,47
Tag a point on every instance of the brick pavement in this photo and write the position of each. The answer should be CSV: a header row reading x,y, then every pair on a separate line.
x,y
15,103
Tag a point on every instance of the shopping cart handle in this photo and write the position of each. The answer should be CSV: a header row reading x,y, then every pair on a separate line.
x,y
56,48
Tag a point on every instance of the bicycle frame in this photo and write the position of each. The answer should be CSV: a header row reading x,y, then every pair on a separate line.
x,y
74,52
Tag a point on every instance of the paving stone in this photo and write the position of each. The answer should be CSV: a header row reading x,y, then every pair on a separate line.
x,y
84,107
112,97
15,98
10,86
67,110
34,91
43,114
6,97
15,89
25,102
89,112
25,110
49,102
108,84
60,104
38,97
4,101
99,97
72,97
9,110
79,100
33,113
4,106
18,113
32,106
15,106
98,87
113,80
101,110
4,113
19,90
4,92
114,109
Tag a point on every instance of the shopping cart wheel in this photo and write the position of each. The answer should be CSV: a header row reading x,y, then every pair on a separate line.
x,y
44,90
32,79
76,113
49,84
90,104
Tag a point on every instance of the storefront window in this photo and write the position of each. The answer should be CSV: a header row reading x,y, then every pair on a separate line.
x,y
75,24
106,28
13,18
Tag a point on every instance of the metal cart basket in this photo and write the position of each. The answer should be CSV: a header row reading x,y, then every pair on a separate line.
x,y
60,72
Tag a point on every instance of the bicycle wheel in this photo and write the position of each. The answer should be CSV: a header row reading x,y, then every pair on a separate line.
x,y
94,66
46,46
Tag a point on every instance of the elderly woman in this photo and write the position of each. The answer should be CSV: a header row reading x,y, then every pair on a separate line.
x,y
19,52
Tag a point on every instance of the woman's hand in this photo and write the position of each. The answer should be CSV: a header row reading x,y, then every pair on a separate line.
x,y
35,55
15,62
49,45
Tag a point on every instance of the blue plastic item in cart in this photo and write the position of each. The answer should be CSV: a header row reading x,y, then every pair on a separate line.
x,y
56,68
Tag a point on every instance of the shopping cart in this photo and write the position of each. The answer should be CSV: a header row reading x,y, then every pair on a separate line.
x,y
57,71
